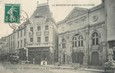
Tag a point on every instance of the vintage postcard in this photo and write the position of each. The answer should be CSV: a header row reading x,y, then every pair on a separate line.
x,y
57,36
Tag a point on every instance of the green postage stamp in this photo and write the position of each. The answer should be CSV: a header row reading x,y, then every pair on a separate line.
x,y
12,13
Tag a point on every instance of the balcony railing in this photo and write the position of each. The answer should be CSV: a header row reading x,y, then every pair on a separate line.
x,y
38,33
95,47
46,32
78,49
31,34
39,44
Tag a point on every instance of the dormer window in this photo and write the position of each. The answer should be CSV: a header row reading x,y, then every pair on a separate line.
x,y
31,29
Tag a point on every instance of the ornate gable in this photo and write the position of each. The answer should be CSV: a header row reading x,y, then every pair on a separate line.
x,y
76,12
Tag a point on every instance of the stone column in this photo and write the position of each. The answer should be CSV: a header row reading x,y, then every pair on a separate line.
x,y
85,59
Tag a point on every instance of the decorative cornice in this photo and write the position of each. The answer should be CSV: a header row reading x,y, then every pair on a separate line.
x,y
87,26
97,7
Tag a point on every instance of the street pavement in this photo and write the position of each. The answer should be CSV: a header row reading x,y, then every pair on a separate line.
x,y
30,68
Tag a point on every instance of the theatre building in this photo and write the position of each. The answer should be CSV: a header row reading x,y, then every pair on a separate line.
x,y
86,35
36,39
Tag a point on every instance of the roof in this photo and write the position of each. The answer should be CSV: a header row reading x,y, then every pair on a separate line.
x,y
41,11
77,11
97,7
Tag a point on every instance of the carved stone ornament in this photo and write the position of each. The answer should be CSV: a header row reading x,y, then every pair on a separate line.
x,y
95,18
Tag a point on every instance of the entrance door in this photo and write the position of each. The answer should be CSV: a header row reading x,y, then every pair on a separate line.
x,y
22,54
38,59
77,57
63,58
95,58
74,57
80,57
36,55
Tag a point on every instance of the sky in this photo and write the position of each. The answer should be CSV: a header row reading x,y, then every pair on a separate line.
x,y
29,6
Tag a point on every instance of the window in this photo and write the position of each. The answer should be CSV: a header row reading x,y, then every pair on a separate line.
x,y
46,27
31,39
24,42
13,44
39,28
39,39
63,43
77,41
9,44
31,33
95,38
31,29
21,43
21,34
18,34
46,39
18,44
24,32
80,41
74,43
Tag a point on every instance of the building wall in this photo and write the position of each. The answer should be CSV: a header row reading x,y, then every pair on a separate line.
x,y
3,49
84,25
19,40
110,9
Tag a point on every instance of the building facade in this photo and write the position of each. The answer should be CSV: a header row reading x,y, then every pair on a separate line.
x,y
36,39
3,49
85,35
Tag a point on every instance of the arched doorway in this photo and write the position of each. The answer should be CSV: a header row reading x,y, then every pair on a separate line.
x,y
77,57
95,58
74,57
80,57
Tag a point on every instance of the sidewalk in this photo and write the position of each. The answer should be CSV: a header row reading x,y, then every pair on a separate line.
x,y
88,69
36,66
58,67
73,68
3,70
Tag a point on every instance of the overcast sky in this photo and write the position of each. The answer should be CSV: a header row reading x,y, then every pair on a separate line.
x,y
29,6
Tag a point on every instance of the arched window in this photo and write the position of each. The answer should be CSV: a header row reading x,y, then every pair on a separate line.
x,y
77,41
80,43
63,43
95,38
74,41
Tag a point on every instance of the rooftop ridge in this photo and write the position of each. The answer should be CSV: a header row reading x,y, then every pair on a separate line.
x,y
43,4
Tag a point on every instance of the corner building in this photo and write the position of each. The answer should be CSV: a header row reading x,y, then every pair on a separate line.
x,y
42,36
36,39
